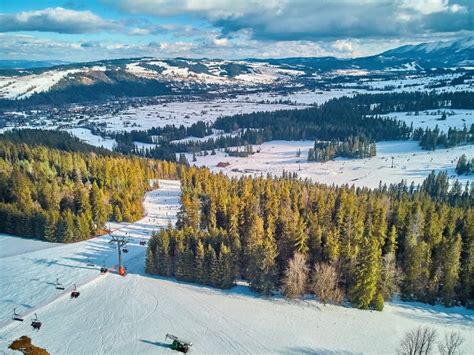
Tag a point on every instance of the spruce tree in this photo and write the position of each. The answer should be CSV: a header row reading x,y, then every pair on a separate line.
x,y
367,271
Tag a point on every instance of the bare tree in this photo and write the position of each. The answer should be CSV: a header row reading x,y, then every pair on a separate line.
x,y
419,341
325,283
390,276
296,276
452,344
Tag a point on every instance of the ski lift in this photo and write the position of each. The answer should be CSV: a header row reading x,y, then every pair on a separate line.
x,y
103,269
35,323
89,263
17,316
75,293
179,344
142,242
59,286
125,250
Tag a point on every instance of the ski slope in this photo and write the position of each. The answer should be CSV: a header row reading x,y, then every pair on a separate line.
x,y
132,314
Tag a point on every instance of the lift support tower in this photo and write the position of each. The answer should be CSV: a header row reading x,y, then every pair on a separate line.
x,y
121,241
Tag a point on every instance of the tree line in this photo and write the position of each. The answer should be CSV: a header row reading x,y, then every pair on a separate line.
x,y
352,147
465,166
431,139
337,242
66,196
336,119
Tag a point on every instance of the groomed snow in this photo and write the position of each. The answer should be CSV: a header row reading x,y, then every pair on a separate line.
x,y
132,314
10,246
410,163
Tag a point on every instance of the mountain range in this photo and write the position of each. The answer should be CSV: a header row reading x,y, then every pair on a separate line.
x,y
151,76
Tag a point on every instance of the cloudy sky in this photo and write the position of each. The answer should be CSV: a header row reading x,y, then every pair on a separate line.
x,y
82,30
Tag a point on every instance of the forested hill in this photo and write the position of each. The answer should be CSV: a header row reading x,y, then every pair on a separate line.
x,y
66,196
337,242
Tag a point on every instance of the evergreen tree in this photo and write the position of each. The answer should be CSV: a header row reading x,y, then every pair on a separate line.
x,y
367,271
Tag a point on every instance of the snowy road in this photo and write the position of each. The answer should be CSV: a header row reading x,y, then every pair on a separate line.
x,y
131,315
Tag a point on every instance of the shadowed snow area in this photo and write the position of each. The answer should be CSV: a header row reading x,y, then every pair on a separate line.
x,y
132,314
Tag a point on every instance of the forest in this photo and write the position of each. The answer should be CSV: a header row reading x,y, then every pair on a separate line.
x,y
339,243
353,147
68,195
337,119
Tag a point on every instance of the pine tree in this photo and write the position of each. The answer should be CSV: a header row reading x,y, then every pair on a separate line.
x,y
210,267
367,271
451,266
199,262
226,268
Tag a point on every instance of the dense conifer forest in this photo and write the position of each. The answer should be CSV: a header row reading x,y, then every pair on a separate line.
x,y
336,242
352,147
68,194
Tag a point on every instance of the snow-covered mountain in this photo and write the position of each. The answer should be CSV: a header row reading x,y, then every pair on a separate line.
x,y
152,76
437,54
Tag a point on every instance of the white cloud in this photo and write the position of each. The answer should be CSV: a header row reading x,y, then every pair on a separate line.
x,y
289,20
55,20
221,42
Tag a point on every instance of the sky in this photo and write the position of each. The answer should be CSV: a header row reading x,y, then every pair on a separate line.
x,y
86,30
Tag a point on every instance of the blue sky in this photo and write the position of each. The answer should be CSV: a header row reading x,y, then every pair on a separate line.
x,y
82,30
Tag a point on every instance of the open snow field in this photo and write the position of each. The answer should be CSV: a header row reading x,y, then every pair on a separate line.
x,y
10,246
431,119
190,111
410,163
132,314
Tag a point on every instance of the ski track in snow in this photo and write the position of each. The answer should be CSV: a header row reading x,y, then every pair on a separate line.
x,y
132,314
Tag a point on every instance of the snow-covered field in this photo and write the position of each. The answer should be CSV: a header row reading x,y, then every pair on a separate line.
x,y
410,163
10,246
132,314
86,136
432,118
188,112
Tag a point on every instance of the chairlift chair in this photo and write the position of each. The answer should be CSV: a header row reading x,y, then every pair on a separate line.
x,y
35,323
89,263
103,269
17,316
75,293
59,286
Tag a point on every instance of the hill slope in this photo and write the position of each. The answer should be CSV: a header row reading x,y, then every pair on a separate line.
x,y
152,76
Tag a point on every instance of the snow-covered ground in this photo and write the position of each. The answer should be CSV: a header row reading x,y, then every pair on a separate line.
x,y
86,136
10,246
410,163
20,87
132,314
187,112
432,118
